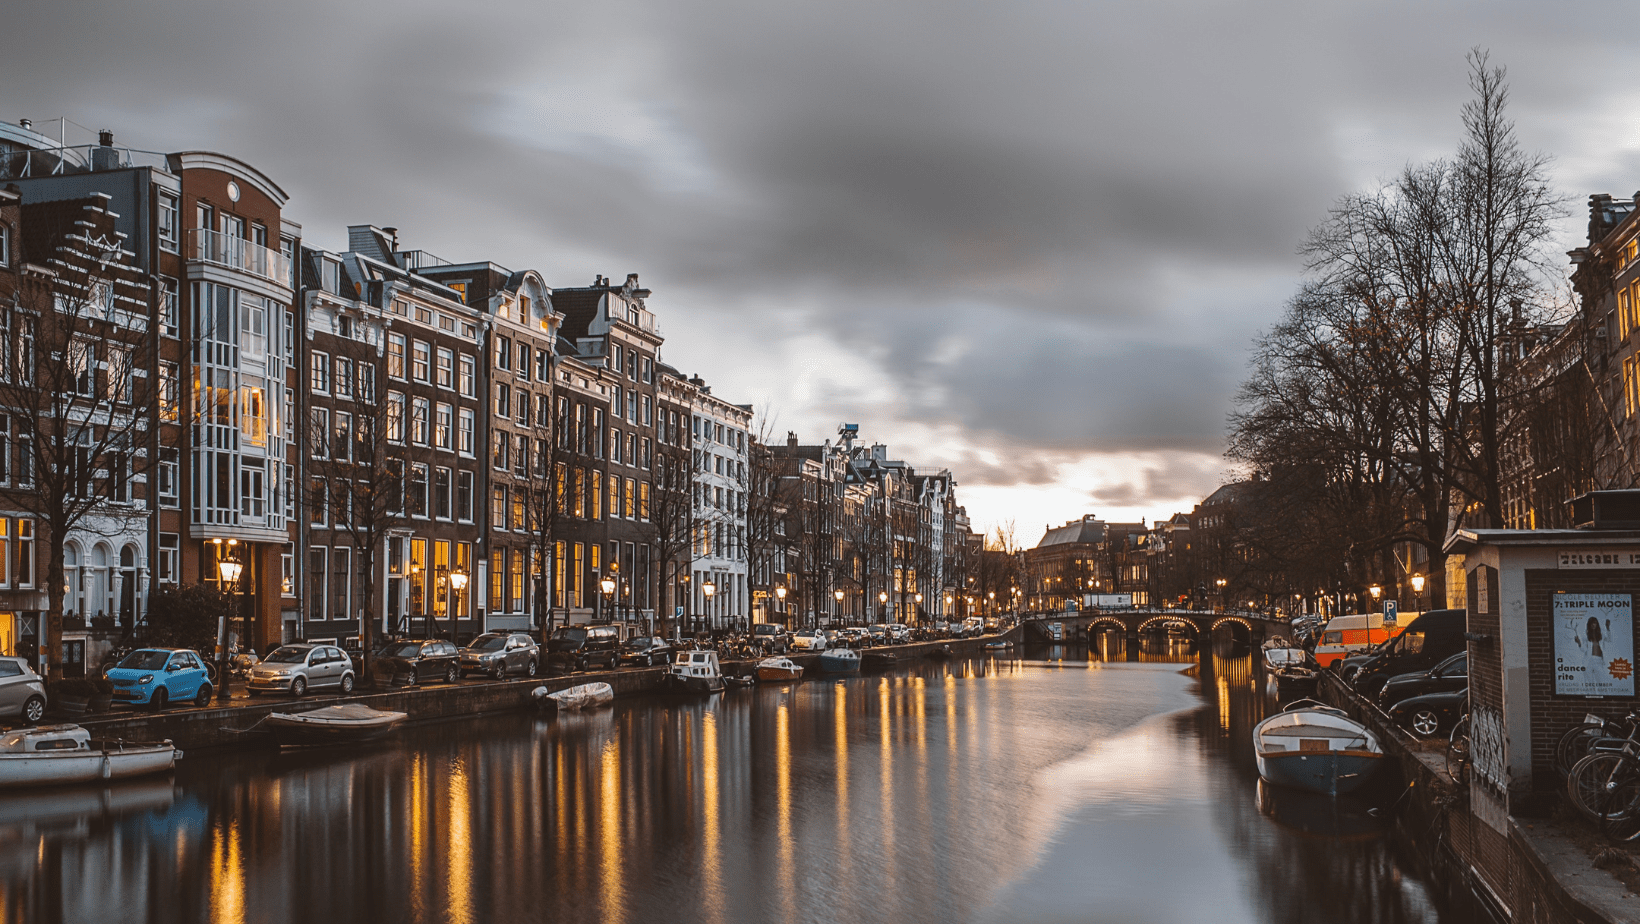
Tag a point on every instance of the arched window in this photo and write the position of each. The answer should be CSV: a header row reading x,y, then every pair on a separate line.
x,y
99,585
72,604
128,586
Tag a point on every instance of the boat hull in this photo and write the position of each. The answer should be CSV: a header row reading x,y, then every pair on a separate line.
x,y
834,663
1332,773
683,684
306,729
779,674
45,769
584,696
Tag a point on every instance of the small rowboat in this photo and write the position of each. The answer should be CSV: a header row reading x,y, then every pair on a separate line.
x,y
778,669
585,696
1316,747
840,661
56,754
348,723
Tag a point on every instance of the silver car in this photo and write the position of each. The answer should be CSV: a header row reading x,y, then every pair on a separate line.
x,y
499,654
300,668
21,692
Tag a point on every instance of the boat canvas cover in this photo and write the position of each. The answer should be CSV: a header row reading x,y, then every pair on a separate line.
x,y
346,714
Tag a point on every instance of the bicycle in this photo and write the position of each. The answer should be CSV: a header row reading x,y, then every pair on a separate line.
x,y
1576,742
1603,784
1458,751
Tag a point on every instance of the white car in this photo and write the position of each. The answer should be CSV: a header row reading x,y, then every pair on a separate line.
x,y
809,640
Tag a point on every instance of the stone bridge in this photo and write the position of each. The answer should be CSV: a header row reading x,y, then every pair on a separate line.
x,y
1080,624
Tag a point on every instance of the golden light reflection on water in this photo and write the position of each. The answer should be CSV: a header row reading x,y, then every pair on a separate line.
x,y
418,810
461,849
885,713
783,793
711,858
845,860
611,891
227,876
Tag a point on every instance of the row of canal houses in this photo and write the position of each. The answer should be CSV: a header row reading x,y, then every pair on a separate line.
x,y
464,444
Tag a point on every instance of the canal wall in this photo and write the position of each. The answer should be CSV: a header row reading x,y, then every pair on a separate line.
x,y
233,725
1532,871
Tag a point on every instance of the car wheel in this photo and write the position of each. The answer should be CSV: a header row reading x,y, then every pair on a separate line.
x,y
1424,722
157,701
530,669
203,697
450,674
499,672
34,710
347,684
298,687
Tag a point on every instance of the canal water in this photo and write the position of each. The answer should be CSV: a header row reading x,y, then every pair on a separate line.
x,y
1051,784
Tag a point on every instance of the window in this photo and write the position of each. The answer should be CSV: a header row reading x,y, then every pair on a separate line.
x,y
319,374
616,442
498,507
169,409
341,441
168,476
523,407
616,405
518,521
319,431
597,435
503,352
464,431
648,412
168,289
614,496
468,376
82,365
318,500
503,401
169,221
330,277
632,407
419,408
419,360
521,456
441,493
543,366
446,368
542,453
524,360
597,494
341,581
503,451
287,570
648,371
25,553
630,499
464,496
395,416
316,582
417,495
443,431
343,381
366,383
170,554
395,356
543,410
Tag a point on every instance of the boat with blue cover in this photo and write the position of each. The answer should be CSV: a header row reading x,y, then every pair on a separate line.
x,y
1316,747
840,661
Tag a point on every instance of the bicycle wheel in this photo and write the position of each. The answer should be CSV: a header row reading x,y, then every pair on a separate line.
x,y
1573,745
1620,815
1592,780
1457,752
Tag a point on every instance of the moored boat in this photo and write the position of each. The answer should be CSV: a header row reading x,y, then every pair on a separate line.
x,y
584,696
1290,666
940,653
999,645
1316,747
840,661
52,755
695,672
346,723
778,669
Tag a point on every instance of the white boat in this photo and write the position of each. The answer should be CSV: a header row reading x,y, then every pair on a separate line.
x,y
346,723
695,672
56,754
777,669
839,661
1316,747
585,696
1289,665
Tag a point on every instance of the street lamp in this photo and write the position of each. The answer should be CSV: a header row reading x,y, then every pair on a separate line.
x,y
1221,582
229,569
837,612
1418,590
708,588
1376,592
918,614
607,585
882,604
458,583
780,592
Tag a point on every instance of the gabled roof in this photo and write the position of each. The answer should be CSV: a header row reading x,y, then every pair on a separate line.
x,y
1086,531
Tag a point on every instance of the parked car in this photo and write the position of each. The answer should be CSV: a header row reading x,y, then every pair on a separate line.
x,y
646,650
299,668
879,633
854,637
810,640
941,629
1431,713
1451,674
22,693
899,632
1427,640
158,676
416,660
498,654
772,637
578,648
973,626
992,625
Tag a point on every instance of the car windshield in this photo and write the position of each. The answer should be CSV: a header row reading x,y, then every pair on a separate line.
x,y
289,655
403,650
488,643
145,660
640,643
764,629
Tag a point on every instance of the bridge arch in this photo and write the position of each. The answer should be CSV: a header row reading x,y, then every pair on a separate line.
x,y
1106,622
1236,620
1163,621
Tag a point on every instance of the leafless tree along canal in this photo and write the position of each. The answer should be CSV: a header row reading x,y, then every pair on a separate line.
x,y
1061,785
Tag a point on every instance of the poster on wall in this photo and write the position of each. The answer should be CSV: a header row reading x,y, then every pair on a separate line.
x,y
1594,645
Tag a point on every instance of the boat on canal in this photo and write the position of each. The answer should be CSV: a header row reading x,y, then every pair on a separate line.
x,y
778,669
840,661
1316,747
345,723
584,696
695,672
1290,665
53,755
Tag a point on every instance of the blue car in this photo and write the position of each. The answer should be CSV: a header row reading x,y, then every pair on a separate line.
x,y
157,676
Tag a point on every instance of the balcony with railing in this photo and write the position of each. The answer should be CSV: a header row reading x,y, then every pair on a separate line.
x,y
237,253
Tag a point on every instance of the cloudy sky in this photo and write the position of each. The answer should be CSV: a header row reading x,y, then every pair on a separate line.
x,y
1030,241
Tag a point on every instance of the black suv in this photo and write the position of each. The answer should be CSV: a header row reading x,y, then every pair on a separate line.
x,y
1428,640
771,637
578,648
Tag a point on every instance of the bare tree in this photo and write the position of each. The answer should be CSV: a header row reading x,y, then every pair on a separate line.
x,y
75,337
668,519
359,471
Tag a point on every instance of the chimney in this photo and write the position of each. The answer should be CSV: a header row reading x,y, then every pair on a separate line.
x,y
105,157
105,138
392,237
26,124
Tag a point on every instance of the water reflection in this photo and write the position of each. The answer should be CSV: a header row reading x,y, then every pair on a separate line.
x,y
1034,784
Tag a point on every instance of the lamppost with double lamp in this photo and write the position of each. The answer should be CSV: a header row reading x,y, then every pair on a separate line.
x,y
837,611
458,583
1418,592
607,585
229,569
708,588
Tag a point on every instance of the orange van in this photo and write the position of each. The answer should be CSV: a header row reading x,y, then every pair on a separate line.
x,y
1347,635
